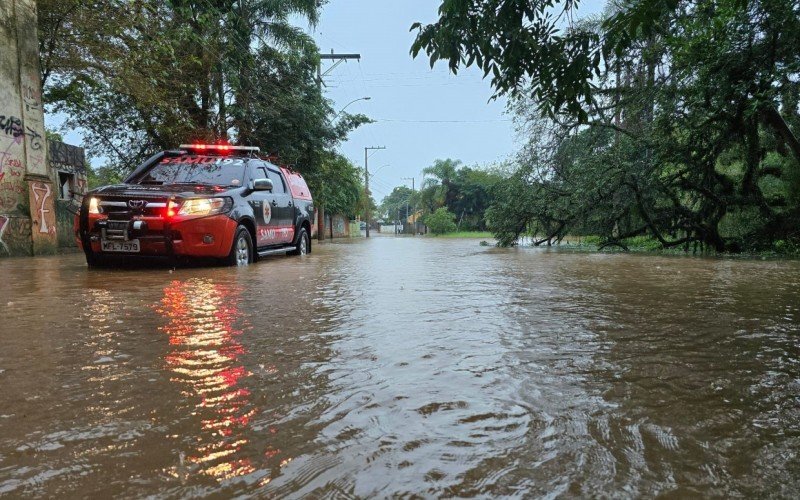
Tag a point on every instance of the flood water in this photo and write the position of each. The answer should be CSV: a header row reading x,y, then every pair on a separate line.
x,y
400,367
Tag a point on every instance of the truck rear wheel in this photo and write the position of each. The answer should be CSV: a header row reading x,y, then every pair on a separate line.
x,y
303,246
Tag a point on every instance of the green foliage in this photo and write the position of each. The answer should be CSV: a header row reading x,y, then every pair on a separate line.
x,y
468,234
441,221
364,203
398,201
591,240
514,42
337,185
646,243
674,121
53,136
465,191
102,176
147,76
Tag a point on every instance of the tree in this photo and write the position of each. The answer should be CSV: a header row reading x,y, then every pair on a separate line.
x,y
441,221
674,120
146,77
338,185
398,201
439,181
473,188
465,191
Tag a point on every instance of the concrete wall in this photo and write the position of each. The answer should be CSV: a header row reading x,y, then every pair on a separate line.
x,y
67,170
340,226
27,194
390,228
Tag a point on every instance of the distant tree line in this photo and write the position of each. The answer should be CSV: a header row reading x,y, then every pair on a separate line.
x,y
674,120
463,192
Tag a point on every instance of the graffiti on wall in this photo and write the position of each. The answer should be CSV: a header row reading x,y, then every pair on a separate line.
x,y
41,193
12,188
12,126
15,236
338,225
34,121
31,96
3,223
66,158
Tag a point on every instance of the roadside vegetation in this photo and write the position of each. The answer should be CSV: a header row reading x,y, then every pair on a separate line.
x,y
142,77
486,235
450,193
671,125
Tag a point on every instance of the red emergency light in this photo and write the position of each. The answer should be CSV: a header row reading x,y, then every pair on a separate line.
x,y
220,147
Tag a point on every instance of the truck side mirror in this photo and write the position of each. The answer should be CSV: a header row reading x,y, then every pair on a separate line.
x,y
262,185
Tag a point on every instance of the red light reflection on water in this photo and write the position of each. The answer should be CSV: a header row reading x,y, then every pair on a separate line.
x,y
204,358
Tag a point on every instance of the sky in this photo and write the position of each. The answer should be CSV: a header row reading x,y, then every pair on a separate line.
x,y
421,114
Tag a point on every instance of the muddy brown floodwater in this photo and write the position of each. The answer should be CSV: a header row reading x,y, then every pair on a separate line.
x,y
402,366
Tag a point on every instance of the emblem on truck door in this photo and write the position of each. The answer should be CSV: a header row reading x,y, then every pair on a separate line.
x,y
137,203
267,212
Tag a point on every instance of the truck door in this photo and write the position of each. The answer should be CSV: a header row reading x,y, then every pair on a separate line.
x,y
264,204
282,206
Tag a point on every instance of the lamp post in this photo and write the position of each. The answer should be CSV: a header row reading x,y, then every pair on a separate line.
x,y
349,103
413,190
321,208
366,179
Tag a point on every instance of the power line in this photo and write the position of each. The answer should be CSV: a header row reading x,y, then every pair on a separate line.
x,y
391,120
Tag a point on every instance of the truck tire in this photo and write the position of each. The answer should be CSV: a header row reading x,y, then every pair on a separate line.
x,y
303,246
92,260
241,253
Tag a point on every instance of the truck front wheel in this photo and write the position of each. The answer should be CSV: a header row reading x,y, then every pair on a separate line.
x,y
241,253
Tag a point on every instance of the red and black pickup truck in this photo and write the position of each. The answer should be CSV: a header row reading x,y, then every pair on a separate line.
x,y
210,201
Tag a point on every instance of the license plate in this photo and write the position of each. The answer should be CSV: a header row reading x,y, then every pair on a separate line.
x,y
131,246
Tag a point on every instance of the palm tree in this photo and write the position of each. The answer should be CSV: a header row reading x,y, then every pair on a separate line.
x,y
439,183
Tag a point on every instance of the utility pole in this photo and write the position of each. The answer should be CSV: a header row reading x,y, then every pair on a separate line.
x,y
413,190
366,181
339,59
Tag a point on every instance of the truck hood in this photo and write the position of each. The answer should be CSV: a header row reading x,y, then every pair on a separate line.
x,y
165,190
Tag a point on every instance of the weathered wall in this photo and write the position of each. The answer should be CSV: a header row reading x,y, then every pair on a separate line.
x,y
70,161
340,227
15,229
27,208
390,228
355,230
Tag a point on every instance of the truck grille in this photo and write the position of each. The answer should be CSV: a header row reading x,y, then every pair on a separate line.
x,y
117,230
142,206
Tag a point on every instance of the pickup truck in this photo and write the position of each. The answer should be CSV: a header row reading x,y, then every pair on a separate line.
x,y
199,201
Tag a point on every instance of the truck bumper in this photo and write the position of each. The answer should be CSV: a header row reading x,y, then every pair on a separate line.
x,y
195,237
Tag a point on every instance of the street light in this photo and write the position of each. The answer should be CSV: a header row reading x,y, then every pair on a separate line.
x,y
349,103
379,169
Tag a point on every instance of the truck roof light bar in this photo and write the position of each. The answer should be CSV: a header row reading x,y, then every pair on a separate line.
x,y
220,147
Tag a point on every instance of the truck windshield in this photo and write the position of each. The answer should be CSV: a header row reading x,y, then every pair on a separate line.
x,y
194,169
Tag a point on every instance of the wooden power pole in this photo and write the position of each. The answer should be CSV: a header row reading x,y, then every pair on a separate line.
x,y
339,59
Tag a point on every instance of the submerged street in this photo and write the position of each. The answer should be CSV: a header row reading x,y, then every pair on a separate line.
x,y
395,366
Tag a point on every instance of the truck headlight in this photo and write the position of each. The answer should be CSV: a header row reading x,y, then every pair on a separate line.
x,y
205,206
94,205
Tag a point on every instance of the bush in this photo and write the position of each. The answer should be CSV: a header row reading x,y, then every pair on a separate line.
x,y
441,221
647,243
